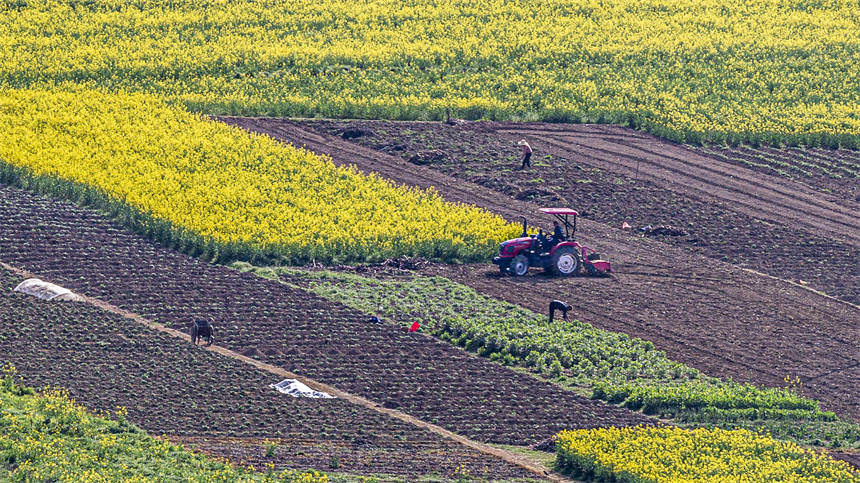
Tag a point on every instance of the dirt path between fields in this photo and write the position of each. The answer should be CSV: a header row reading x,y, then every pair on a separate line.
x,y
721,319
502,454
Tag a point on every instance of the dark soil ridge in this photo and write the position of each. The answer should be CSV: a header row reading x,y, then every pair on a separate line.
x,y
710,315
676,168
292,329
835,180
384,464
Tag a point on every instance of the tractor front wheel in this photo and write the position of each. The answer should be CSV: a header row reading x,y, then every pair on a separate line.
x,y
566,262
519,265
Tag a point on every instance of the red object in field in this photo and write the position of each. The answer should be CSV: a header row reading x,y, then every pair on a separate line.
x,y
601,266
414,327
559,253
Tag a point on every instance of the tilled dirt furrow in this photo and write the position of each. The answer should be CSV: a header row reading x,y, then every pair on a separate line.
x,y
773,189
676,161
831,175
689,159
839,159
539,129
362,458
755,198
702,188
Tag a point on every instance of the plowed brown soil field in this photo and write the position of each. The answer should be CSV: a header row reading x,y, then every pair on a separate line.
x,y
621,186
290,328
211,402
712,315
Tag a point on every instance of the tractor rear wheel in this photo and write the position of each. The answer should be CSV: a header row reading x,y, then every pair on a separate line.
x,y
565,262
519,265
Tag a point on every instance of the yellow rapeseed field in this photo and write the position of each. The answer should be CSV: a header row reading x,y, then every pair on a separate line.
x,y
777,70
222,187
649,454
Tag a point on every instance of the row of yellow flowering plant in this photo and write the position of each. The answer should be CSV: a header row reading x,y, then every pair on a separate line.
x,y
670,454
223,193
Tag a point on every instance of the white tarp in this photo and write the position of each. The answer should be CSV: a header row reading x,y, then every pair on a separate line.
x,y
45,290
297,389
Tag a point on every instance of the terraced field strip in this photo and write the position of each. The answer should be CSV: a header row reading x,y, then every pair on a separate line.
x,y
768,337
183,391
721,319
502,454
371,161
475,153
293,329
763,196
788,161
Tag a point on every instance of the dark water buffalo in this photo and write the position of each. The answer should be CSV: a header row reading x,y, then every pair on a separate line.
x,y
202,330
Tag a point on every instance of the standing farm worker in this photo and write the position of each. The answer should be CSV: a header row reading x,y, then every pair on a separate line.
x,y
558,305
527,153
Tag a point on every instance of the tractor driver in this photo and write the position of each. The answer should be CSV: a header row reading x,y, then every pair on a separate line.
x,y
557,236
557,232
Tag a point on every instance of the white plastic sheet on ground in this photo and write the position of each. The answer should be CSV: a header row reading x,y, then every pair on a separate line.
x,y
297,389
46,290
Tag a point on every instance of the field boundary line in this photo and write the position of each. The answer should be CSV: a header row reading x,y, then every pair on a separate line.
x,y
800,285
502,454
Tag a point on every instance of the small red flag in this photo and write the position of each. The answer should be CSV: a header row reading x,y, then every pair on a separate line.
x,y
414,327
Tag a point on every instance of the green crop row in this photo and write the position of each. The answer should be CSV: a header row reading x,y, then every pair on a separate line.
x,y
701,394
47,436
611,366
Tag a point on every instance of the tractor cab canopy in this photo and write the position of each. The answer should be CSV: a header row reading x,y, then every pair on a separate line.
x,y
559,211
563,215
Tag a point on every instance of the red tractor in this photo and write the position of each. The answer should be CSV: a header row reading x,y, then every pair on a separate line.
x,y
563,256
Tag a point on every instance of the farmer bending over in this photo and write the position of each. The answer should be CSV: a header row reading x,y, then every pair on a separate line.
x,y
527,153
558,305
